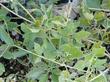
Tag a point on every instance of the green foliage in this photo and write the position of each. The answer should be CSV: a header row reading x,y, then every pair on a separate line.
x,y
99,51
72,51
99,16
93,3
106,4
5,36
35,73
2,69
53,47
100,79
3,14
82,35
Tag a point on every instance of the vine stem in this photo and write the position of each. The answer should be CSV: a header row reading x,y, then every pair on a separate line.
x,y
107,54
66,66
102,73
99,9
89,67
16,14
27,11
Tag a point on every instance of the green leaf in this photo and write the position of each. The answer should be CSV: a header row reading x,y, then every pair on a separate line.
x,y
55,74
54,78
58,23
43,7
82,35
28,28
80,79
34,30
29,35
12,25
2,48
88,16
2,69
34,59
38,49
55,42
106,23
97,44
5,36
19,53
72,51
84,21
80,65
3,14
42,1
8,55
99,64
106,4
100,79
43,78
29,40
53,1
99,52
99,16
69,28
65,76
49,50
93,3
35,73
15,54
25,27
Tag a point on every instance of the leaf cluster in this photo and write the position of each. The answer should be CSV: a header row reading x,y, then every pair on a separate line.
x,y
58,49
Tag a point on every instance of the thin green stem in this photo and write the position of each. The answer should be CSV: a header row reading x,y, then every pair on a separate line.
x,y
107,54
99,9
16,14
89,67
67,66
27,11
102,73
